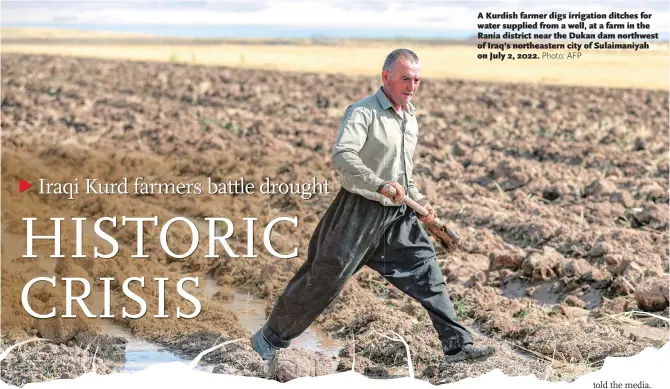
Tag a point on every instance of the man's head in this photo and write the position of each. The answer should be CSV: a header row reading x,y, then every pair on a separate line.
x,y
401,75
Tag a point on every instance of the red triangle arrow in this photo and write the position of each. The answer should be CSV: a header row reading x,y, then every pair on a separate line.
x,y
23,185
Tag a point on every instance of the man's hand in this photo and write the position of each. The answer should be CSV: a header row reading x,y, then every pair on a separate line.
x,y
399,191
431,214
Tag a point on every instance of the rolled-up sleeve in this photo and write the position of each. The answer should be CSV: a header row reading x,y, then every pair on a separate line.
x,y
350,140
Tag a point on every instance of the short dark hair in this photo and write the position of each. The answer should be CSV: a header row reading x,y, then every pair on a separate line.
x,y
398,54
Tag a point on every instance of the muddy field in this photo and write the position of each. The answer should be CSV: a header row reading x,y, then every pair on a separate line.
x,y
560,195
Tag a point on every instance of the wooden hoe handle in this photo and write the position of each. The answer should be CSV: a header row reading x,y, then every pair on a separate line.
x,y
415,206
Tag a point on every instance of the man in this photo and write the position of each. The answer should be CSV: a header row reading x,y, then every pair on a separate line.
x,y
365,225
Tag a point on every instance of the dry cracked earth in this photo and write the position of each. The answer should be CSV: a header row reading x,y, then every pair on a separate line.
x,y
560,195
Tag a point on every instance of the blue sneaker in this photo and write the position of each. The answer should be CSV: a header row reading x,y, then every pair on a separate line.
x,y
264,348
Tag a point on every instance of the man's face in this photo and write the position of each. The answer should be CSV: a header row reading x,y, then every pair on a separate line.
x,y
402,82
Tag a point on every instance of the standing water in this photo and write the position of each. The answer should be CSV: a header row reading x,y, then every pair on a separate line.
x,y
140,354
251,313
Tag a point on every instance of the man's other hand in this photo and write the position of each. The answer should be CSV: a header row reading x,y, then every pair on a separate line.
x,y
399,191
428,218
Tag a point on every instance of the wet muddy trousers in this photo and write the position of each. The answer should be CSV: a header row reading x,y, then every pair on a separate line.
x,y
357,232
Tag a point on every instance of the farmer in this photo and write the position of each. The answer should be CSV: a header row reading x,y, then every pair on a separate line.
x,y
365,225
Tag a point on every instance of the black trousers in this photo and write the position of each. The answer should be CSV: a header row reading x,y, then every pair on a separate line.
x,y
355,232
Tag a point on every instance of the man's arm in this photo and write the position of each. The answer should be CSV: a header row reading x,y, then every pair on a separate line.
x,y
414,193
351,138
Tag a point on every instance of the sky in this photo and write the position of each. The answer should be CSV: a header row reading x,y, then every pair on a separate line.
x,y
289,19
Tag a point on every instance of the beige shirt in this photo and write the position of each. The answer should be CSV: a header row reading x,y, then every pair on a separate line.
x,y
376,144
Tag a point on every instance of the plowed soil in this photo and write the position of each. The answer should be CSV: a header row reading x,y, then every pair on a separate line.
x,y
560,196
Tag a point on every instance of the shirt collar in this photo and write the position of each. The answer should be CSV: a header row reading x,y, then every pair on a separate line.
x,y
386,104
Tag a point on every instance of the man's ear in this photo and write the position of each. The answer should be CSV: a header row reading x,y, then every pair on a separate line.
x,y
385,75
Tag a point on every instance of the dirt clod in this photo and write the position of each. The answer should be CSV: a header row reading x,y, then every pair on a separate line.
x,y
542,266
574,301
506,259
294,363
652,295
